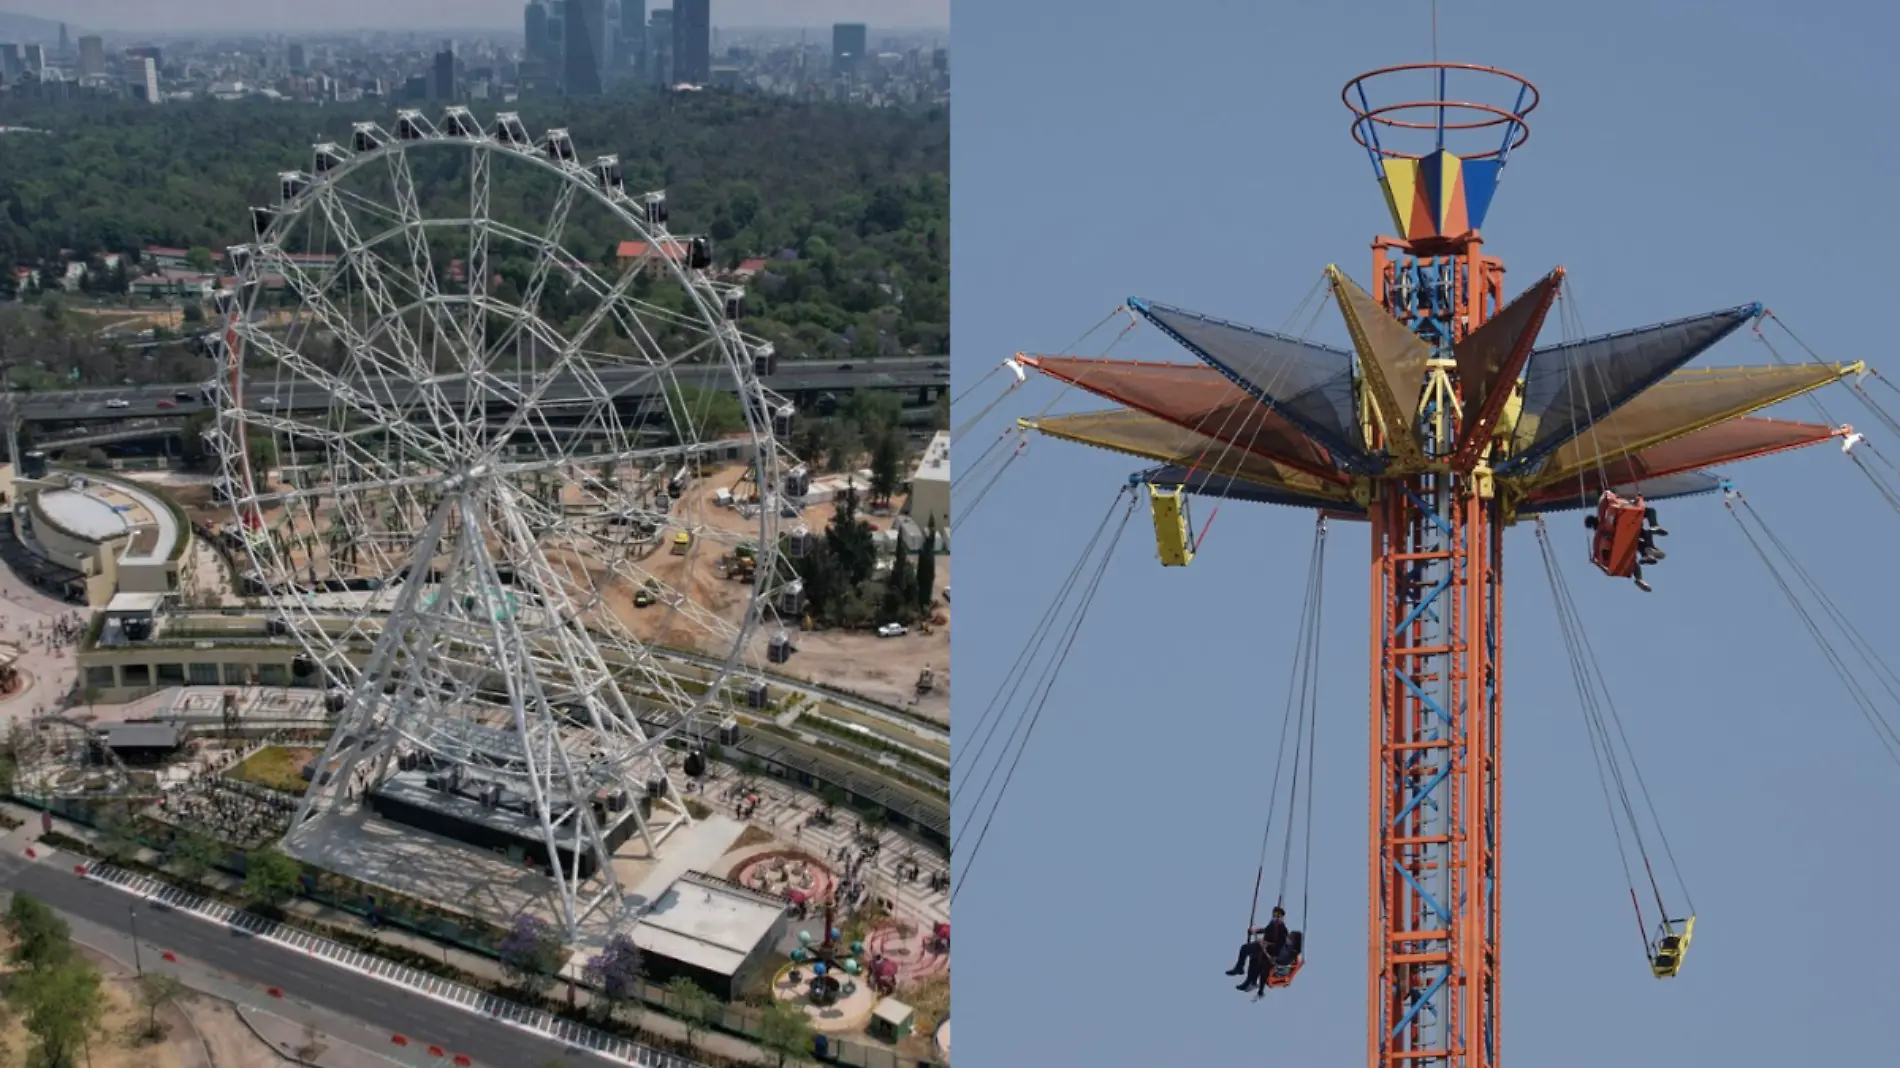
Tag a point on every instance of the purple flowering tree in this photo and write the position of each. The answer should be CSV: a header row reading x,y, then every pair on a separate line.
x,y
616,971
532,953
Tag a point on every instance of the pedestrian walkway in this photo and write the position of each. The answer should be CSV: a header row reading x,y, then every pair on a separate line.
x,y
535,1021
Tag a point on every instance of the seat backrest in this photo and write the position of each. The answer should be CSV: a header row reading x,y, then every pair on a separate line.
x,y
1295,945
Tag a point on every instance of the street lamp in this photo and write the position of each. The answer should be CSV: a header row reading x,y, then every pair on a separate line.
x,y
138,964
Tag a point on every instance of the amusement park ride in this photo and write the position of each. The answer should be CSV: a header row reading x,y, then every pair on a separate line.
x,y
1443,426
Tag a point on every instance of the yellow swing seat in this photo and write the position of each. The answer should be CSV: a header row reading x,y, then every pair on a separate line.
x,y
1672,944
1173,539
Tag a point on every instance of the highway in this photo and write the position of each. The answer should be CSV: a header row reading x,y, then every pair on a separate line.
x,y
793,377
266,964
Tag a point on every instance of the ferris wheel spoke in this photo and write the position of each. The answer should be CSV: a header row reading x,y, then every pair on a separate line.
x,y
475,267
343,391
548,246
422,263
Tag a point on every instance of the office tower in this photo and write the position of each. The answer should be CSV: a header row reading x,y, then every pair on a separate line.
x,y
65,43
536,17
442,85
92,56
294,58
940,60
692,41
660,46
36,59
11,62
148,71
582,24
633,35
847,47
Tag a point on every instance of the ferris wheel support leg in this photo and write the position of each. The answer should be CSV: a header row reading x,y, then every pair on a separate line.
x,y
360,713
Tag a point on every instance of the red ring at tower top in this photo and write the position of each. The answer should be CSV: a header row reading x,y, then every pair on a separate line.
x,y
1435,156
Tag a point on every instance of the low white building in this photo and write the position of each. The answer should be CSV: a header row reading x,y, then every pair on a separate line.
x,y
930,485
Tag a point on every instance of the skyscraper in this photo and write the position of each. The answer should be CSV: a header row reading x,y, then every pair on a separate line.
x,y
442,85
583,22
92,56
692,41
660,46
36,59
293,57
633,35
847,47
148,71
536,19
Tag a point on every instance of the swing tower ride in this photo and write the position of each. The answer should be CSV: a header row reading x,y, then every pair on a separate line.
x,y
1442,427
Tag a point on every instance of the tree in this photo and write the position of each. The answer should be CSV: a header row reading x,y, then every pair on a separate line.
x,y
698,1009
885,475
41,939
532,953
270,878
899,594
194,855
926,585
157,990
62,1006
785,1030
117,840
616,971
711,413
198,258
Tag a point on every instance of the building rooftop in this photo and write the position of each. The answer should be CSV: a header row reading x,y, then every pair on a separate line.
x,y
105,511
935,463
708,923
141,735
134,603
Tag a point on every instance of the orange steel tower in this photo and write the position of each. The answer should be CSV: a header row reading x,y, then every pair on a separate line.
x,y
1439,428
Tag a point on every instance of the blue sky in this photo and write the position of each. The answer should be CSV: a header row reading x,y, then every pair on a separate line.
x,y
1687,157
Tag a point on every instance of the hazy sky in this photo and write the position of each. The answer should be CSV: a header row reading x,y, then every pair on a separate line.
x,y
198,15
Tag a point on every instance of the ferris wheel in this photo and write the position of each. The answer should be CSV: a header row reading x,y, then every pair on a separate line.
x,y
473,399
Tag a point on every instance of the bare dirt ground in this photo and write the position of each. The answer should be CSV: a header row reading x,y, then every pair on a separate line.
x,y
881,669
118,1044
231,1043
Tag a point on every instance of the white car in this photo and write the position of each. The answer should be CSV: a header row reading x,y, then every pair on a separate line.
x,y
268,402
891,630
118,402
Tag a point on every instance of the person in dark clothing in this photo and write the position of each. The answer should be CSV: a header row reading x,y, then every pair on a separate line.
x,y
1258,955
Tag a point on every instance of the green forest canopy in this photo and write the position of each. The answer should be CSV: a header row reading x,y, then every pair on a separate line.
x,y
859,197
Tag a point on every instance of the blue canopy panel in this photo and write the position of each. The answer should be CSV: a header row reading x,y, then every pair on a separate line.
x,y
1685,484
1569,387
1310,384
1227,488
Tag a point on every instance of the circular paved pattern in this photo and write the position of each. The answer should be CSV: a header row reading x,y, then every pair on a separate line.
x,y
915,963
850,1013
943,1039
782,871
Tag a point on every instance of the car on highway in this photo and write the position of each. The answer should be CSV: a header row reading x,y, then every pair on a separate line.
x,y
185,396
168,404
268,402
118,402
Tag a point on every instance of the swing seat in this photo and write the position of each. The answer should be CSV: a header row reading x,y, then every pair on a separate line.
x,y
1671,946
1619,528
1294,958
1173,540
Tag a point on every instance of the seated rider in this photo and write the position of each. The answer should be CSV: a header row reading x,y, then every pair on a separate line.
x,y
1258,955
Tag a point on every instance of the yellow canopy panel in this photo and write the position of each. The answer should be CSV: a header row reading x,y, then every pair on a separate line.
x,y
1392,360
1139,434
1686,402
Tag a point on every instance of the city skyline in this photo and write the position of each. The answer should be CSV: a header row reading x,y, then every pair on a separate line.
x,y
182,17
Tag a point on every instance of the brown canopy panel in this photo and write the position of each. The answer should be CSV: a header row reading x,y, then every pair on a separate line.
x,y
1141,434
1200,399
1723,443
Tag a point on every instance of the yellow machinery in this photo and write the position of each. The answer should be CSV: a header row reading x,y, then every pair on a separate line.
x,y
1173,540
1672,944
682,541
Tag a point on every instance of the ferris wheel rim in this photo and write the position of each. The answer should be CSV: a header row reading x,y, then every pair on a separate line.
x,y
727,342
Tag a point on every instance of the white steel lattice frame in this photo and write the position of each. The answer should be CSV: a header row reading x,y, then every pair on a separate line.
x,y
444,482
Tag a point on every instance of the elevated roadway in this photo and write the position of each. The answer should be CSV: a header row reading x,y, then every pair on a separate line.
x,y
800,380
